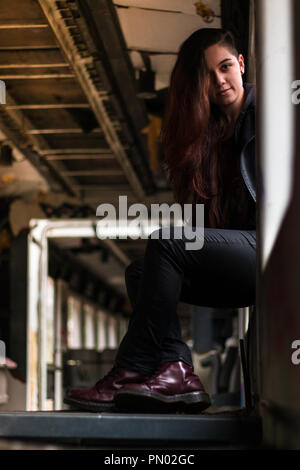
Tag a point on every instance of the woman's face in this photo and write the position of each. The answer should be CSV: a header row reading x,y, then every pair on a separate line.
x,y
225,76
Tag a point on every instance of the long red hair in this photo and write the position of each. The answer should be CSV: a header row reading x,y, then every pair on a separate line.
x,y
193,127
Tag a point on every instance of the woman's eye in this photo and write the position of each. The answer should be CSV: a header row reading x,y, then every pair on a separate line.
x,y
225,65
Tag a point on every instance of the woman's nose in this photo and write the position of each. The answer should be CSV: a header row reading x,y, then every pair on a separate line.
x,y
219,79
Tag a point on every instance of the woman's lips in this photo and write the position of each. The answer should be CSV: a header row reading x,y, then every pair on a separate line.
x,y
222,93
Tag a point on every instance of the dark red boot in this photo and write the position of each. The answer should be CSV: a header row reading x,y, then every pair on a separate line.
x,y
174,388
101,396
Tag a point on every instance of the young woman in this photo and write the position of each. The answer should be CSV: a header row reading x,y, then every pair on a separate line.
x,y
209,146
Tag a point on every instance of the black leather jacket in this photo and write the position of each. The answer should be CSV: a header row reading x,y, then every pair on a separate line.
x,y
244,136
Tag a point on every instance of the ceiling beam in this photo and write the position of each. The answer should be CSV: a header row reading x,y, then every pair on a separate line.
x,y
34,66
50,106
72,130
103,172
69,47
45,76
108,188
81,157
75,151
100,24
28,48
32,57
22,24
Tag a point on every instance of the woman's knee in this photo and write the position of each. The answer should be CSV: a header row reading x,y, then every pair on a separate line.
x,y
165,236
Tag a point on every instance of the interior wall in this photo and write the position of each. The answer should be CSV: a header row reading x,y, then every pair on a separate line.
x,y
278,66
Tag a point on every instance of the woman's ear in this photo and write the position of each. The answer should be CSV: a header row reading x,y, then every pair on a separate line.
x,y
241,63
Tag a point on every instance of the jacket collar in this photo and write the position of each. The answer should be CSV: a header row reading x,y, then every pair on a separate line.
x,y
249,99
249,104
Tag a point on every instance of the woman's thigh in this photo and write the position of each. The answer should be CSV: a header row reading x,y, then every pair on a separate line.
x,y
221,274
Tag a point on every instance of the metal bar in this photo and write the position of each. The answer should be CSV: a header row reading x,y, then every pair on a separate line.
x,y
148,427
42,332
58,384
33,306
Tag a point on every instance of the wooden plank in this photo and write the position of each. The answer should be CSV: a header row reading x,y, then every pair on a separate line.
x,y
21,10
82,157
45,76
47,91
33,58
75,151
9,67
99,180
114,190
60,131
101,172
27,37
22,24
26,48
75,140
49,106
51,119
92,165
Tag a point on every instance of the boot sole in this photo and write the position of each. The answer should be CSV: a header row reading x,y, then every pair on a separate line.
x,y
135,400
90,405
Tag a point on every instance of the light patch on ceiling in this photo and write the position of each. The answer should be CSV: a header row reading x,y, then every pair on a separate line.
x,y
158,31
183,6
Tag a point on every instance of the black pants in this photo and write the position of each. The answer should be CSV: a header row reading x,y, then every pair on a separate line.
x,y
221,274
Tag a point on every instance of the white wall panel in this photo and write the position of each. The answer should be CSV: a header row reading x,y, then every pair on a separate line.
x,y
156,31
276,71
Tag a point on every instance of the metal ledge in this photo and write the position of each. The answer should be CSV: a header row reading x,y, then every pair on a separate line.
x,y
137,427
